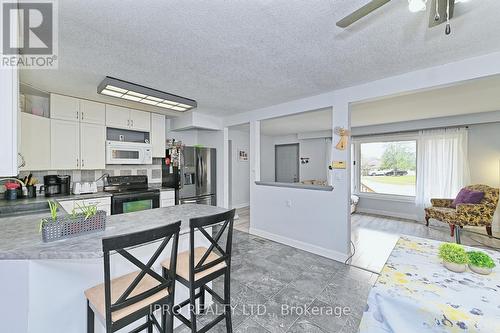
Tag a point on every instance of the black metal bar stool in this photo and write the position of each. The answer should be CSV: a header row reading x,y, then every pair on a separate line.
x,y
199,266
126,299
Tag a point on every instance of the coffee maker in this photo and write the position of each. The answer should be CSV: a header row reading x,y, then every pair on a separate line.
x,y
55,185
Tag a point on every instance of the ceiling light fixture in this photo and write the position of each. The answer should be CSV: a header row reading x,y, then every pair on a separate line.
x,y
417,5
137,93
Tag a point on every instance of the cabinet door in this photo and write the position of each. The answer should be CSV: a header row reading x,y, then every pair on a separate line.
x,y
64,145
64,107
117,117
158,135
35,142
141,121
92,146
92,112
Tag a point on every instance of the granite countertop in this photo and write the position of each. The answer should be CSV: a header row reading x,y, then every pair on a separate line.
x,y
39,204
20,239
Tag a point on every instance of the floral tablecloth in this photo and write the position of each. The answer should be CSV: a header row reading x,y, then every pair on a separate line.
x,y
415,293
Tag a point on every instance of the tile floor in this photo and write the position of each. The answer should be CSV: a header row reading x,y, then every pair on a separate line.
x,y
269,277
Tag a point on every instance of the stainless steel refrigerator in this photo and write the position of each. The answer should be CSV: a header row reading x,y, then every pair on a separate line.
x,y
199,176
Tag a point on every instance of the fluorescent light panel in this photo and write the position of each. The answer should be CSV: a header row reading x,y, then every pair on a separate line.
x,y
137,93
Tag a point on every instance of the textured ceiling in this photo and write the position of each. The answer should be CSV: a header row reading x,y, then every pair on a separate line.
x,y
235,56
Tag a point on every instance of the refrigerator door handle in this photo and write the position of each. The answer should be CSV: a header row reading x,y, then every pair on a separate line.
x,y
201,171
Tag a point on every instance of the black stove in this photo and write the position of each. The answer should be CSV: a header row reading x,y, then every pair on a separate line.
x,y
131,194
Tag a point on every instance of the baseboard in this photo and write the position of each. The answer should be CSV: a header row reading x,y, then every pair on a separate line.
x,y
330,254
387,213
243,205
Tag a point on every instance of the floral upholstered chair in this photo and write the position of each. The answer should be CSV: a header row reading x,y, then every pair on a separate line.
x,y
466,214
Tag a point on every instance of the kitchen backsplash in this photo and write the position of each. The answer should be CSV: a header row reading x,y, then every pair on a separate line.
x,y
152,171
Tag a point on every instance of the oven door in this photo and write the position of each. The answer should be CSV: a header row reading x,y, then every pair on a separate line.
x,y
134,202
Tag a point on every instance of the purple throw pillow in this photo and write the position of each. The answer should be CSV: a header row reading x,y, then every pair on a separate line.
x,y
466,196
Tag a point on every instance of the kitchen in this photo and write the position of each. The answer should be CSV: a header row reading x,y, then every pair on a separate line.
x,y
81,154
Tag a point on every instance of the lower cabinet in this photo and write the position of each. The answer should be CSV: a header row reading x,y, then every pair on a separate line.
x,y
101,203
167,199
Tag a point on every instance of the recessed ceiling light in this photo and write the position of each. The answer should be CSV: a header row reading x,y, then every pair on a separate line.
x,y
133,93
147,101
111,93
141,94
110,87
131,98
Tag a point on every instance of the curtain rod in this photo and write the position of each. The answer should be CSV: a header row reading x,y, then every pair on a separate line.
x,y
409,131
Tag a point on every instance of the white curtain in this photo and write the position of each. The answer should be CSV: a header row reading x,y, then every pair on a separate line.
x,y
442,165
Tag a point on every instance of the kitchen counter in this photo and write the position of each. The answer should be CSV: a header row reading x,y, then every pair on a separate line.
x,y
39,204
20,238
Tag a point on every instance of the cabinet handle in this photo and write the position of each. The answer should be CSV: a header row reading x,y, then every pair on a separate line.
x,y
132,121
77,162
77,115
82,115
83,161
128,122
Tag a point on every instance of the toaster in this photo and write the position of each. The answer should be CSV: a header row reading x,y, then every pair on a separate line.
x,y
84,187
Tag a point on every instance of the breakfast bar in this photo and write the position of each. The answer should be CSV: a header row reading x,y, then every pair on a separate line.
x,y
43,283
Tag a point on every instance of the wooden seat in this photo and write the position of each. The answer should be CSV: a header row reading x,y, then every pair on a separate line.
x,y
183,263
95,295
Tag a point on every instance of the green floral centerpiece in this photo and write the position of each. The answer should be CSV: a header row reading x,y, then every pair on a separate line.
x,y
480,262
454,257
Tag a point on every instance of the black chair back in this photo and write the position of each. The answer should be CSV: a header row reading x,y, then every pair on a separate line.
x,y
119,244
225,220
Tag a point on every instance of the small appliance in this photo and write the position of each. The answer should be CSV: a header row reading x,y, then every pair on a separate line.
x,y
131,194
55,185
84,187
118,152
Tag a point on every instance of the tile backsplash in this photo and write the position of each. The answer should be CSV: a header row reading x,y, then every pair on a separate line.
x,y
153,171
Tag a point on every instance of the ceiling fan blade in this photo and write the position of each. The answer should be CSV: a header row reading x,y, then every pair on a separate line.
x,y
362,12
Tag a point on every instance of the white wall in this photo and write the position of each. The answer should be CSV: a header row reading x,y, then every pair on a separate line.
x,y
240,173
267,160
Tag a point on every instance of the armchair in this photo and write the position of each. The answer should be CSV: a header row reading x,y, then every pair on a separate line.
x,y
466,214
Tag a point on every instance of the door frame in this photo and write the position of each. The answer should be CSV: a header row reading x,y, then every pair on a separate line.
x,y
276,159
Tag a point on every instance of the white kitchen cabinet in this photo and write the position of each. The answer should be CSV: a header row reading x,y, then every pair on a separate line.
x,y
140,120
35,142
120,117
9,129
64,107
92,146
167,199
92,112
117,117
103,203
158,135
64,145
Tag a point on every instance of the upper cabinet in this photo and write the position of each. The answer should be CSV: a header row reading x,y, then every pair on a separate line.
x,y
65,145
120,117
92,112
158,135
92,146
34,143
64,107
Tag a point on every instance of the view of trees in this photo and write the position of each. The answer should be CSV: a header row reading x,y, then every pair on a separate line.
x,y
398,157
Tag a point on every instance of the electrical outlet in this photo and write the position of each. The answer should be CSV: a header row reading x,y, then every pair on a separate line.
x,y
289,203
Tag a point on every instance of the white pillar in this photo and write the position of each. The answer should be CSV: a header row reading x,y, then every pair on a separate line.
x,y
254,162
341,178
226,168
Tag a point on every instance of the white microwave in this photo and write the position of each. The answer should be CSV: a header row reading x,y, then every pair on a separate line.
x,y
119,152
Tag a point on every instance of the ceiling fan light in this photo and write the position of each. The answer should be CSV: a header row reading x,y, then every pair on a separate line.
x,y
417,5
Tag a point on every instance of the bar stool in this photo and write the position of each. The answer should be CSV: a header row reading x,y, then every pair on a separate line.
x,y
201,265
126,299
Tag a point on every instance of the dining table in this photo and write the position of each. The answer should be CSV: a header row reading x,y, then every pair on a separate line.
x,y
416,293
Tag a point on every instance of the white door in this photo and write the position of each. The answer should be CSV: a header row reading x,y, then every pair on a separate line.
x,y
158,134
35,142
287,163
117,117
140,120
64,145
92,112
92,146
64,107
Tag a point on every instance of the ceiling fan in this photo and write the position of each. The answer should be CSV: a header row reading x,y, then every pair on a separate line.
x,y
441,12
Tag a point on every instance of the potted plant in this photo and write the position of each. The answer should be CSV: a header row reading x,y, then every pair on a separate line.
x,y
454,257
480,262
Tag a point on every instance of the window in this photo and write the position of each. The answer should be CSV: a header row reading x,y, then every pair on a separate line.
x,y
388,167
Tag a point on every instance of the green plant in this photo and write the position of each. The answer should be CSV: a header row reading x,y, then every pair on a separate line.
x,y
53,213
453,253
88,211
480,259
